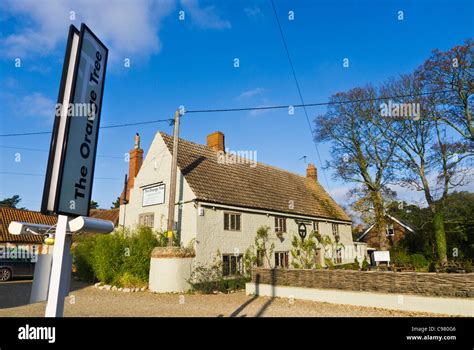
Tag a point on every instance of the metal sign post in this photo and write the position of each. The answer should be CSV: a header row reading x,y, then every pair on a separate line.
x,y
60,271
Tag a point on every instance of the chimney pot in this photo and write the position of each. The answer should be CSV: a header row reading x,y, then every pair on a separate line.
x,y
215,141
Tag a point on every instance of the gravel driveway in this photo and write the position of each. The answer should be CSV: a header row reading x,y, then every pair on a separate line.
x,y
85,300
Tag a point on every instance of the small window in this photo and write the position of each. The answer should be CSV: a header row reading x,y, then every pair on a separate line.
x,y
316,226
280,225
281,260
147,219
232,265
390,230
335,232
232,221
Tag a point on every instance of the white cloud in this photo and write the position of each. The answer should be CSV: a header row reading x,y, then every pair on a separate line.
x,y
250,93
253,12
129,28
36,105
206,17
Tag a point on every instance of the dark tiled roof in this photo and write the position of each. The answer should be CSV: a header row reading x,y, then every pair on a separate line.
x,y
8,215
260,187
106,214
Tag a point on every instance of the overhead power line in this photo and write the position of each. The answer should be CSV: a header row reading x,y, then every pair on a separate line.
x,y
315,104
33,174
45,150
299,91
243,109
102,127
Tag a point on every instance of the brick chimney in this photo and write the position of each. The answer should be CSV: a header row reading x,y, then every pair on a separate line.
x,y
215,141
312,172
136,160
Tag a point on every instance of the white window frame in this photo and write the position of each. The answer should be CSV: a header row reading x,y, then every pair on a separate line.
x,y
231,214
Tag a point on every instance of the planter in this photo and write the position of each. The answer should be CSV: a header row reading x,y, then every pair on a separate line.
x,y
170,268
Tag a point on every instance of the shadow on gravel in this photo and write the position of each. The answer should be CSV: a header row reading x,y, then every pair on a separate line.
x,y
17,292
251,300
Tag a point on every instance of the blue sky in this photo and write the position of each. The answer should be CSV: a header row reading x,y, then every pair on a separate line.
x,y
190,63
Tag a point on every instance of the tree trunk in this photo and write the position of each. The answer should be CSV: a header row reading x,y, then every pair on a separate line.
x,y
379,219
440,235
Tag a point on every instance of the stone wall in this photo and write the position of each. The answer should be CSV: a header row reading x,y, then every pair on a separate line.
x,y
433,284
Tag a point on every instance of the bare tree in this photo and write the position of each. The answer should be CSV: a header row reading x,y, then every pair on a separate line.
x,y
425,158
452,71
360,152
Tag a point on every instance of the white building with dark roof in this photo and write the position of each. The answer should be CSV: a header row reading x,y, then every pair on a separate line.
x,y
222,200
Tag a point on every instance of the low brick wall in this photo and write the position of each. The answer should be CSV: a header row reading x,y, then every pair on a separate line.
x,y
432,284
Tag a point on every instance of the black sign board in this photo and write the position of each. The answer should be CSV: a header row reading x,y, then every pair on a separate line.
x,y
68,188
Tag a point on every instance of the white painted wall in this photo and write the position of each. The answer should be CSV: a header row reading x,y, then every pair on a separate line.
x,y
207,230
211,236
156,167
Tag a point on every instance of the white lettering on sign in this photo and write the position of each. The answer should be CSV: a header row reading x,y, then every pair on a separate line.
x,y
153,195
82,132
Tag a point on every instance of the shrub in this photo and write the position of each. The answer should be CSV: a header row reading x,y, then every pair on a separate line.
x,y
303,251
208,278
83,256
349,266
432,266
140,246
418,261
365,264
109,256
468,266
329,264
400,257
120,258
126,279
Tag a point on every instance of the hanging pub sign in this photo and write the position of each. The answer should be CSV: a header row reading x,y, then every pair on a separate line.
x,y
302,230
70,172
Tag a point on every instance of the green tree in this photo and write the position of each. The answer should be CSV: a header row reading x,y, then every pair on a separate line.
x,y
116,203
304,251
11,202
94,205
